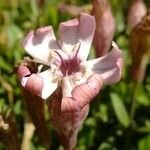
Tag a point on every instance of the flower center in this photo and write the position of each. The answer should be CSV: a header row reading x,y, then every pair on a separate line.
x,y
71,65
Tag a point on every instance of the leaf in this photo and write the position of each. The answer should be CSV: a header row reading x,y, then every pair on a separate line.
x,y
103,113
91,53
91,122
14,33
144,143
4,65
34,8
120,110
53,15
105,146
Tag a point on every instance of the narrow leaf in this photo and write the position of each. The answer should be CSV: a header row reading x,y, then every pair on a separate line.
x,y
120,110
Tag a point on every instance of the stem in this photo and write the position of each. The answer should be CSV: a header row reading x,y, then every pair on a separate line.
x,y
133,105
9,89
28,133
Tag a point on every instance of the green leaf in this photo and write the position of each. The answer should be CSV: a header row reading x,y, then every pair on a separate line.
x,y
14,33
4,65
120,110
105,146
103,112
144,143
91,53
34,8
90,122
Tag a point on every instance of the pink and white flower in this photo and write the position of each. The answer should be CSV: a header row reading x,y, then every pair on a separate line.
x,y
71,80
66,58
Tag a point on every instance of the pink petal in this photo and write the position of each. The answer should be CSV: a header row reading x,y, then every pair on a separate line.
x,y
86,33
82,94
85,92
68,35
34,84
41,84
38,44
76,34
66,123
23,71
73,119
108,66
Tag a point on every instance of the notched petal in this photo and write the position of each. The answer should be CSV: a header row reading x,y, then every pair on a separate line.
x,y
85,92
82,94
75,32
38,44
108,66
68,35
41,84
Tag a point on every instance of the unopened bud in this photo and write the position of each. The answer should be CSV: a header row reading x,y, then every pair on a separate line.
x,y
140,48
136,11
105,26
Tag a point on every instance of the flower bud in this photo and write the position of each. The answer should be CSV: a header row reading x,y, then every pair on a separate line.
x,y
140,48
136,11
105,26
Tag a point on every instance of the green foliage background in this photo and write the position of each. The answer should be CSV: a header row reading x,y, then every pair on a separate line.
x,y
108,126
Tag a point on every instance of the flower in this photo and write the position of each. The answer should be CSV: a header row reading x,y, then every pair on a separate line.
x,y
70,79
66,59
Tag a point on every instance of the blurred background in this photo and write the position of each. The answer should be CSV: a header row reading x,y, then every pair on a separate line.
x,y
119,118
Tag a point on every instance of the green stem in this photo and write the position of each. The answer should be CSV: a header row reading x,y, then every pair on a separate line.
x,y
133,98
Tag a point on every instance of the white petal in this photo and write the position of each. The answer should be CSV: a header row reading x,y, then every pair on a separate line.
x,y
85,33
68,35
69,82
77,32
50,83
108,66
41,84
38,44
24,81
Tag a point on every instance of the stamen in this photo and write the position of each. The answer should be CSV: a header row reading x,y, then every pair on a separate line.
x,y
40,68
76,49
72,63
64,65
63,62
52,56
79,45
